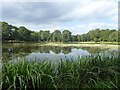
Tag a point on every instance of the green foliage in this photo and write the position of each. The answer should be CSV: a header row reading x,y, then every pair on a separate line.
x,y
56,36
100,35
113,36
66,36
44,35
24,34
74,38
34,36
10,32
86,72
95,40
78,38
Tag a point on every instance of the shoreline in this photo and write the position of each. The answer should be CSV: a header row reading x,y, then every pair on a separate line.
x,y
84,45
79,44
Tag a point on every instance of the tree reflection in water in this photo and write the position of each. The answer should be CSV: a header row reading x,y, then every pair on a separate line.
x,y
14,52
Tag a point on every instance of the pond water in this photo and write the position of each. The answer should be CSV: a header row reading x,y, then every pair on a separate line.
x,y
52,53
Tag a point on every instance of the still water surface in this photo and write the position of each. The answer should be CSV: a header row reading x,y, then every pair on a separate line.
x,y
52,53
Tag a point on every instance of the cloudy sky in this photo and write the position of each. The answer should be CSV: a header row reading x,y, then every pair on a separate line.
x,y
78,17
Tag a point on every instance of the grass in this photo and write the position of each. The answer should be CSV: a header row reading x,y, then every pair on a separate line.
x,y
67,44
86,72
105,46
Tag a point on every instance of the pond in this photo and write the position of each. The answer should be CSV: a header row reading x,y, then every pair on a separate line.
x,y
52,53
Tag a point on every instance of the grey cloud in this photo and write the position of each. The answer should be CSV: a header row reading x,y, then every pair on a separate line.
x,y
51,13
37,13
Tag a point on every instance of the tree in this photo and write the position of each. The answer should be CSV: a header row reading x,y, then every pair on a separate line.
x,y
113,37
78,38
95,40
74,38
33,36
66,36
83,37
24,34
8,31
56,36
47,35
44,35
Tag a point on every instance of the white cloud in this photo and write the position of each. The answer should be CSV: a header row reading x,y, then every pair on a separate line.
x,y
94,10
103,26
43,0
114,18
50,16
82,28
46,13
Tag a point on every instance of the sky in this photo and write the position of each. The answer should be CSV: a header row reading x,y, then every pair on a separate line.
x,y
77,16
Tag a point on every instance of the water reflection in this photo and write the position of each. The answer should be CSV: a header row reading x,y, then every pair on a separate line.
x,y
48,51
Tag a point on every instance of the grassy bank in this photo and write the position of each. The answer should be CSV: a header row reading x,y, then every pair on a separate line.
x,y
61,44
88,42
108,46
86,72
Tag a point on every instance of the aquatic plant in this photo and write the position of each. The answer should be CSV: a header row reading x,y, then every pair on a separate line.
x,y
86,72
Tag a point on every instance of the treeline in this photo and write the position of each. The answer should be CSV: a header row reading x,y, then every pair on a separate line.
x,y
10,32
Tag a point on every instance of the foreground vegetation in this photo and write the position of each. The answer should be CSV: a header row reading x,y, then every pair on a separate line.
x,y
86,72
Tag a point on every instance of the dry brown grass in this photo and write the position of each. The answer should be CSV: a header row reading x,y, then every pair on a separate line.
x,y
109,46
82,45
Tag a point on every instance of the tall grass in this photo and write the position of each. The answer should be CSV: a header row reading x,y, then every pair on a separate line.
x,y
86,72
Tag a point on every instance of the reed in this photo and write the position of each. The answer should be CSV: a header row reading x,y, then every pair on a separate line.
x,y
86,72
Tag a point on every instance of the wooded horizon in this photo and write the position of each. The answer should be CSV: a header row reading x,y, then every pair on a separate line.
x,y
10,32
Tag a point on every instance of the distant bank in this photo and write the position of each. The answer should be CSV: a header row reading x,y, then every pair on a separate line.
x,y
104,45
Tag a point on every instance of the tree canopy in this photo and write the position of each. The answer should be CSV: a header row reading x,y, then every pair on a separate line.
x,y
10,32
